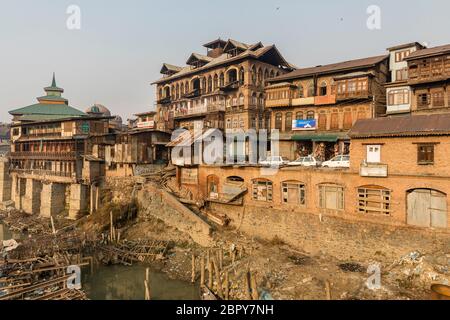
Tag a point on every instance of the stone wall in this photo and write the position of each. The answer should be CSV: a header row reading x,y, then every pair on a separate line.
x,y
5,181
53,200
343,239
167,208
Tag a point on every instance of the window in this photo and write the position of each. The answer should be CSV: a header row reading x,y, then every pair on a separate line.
x,y
241,76
294,193
323,89
288,122
310,115
374,154
278,121
425,153
322,121
438,99
401,55
374,199
299,116
210,84
301,92
423,100
311,90
331,197
401,75
334,121
262,190
398,97
348,121
222,80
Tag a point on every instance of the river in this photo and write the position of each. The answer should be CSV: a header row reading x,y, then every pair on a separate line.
x,y
125,283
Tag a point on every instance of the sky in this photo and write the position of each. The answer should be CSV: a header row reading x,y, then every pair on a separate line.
x,y
121,45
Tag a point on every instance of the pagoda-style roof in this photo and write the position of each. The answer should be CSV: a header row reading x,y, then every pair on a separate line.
x,y
170,69
195,57
50,107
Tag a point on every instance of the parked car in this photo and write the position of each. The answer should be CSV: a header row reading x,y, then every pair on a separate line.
x,y
338,162
274,161
308,161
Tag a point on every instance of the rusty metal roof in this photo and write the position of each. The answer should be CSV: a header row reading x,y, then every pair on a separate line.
x,y
420,125
331,68
429,52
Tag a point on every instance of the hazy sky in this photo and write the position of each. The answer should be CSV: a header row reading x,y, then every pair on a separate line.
x,y
122,44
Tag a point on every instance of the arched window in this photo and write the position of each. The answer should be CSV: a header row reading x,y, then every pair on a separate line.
x,y
186,87
222,80
323,89
299,116
210,84
204,84
241,99
310,115
311,90
241,76
301,91
216,81
260,76
254,99
294,192
213,186
167,92
160,93
261,100
266,74
278,121
288,122
262,190
254,75
235,179
177,95
232,76
272,74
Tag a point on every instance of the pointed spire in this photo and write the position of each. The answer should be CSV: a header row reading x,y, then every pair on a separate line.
x,y
54,81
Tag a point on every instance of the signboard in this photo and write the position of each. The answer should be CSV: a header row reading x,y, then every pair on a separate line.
x,y
85,127
146,124
304,125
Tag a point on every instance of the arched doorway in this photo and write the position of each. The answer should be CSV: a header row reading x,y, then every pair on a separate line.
x,y
213,187
427,208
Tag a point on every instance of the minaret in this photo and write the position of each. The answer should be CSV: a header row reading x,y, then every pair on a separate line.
x,y
54,94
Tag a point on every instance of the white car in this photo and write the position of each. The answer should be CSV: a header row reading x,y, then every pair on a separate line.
x,y
308,161
338,162
274,161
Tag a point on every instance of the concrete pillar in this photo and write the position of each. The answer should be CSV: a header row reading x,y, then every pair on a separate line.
x,y
18,192
77,201
53,198
5,181
31,203
94,199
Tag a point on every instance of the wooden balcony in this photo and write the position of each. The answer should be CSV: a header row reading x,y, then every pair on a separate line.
x,y
279,103
55,176
43,155
303,101
353,95
325,100
200,110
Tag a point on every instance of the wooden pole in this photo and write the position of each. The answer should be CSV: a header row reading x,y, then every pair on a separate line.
x,y
202,271
208,257
53,225
247,286
227,286
147,284
221,258
193,269
328,289
218,280
210,275
255,294
111,229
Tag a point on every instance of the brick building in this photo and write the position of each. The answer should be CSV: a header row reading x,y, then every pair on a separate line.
x,y
315,107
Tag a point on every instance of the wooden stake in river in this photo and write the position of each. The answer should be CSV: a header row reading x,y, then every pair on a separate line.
x,y
193,269
147,284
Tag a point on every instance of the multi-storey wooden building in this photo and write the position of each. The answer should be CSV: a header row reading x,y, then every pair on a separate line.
x,y
313,108
54,159
223,89
398,91
429,74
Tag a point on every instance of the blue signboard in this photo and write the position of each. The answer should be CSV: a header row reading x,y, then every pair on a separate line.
x,y
302,125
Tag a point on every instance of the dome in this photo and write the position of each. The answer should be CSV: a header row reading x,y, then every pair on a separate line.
x,y
98,109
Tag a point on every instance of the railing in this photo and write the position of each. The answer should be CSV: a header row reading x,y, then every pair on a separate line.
x,y
43,155
42,135
204,108
352,95
42,172
323,100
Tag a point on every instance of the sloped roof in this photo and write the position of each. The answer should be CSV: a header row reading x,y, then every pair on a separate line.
x,y
170,67
225,58
420,125
49,110
430,52
200,57
331,68
406,45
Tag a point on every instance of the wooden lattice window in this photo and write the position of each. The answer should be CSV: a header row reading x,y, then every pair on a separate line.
x,y
334,121
331,197
262,190
348,121
322,121
374,200
288,122
438,99
423,100
278,121
294,193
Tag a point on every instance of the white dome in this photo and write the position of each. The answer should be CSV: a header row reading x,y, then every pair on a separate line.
x,y
98,109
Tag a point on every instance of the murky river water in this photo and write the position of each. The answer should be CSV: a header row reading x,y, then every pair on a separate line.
x,y
126,283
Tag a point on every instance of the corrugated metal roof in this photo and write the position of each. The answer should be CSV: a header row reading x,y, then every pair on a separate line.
x,y
430,52
331,68
435,124
48,109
